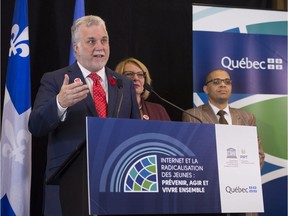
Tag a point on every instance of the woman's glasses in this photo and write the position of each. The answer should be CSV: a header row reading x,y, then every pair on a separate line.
x,y
130,74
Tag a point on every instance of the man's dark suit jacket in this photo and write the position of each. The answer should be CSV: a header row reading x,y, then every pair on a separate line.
x,y
239,117
65,137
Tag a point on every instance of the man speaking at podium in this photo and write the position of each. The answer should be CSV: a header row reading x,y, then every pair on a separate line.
x,y
64,100
218,87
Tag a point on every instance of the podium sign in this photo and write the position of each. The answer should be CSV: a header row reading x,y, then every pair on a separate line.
x,y
156,167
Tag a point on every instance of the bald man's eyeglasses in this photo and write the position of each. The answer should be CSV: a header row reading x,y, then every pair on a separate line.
x,y
219,81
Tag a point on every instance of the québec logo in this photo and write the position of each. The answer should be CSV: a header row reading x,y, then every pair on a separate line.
x,y
238,189
274,64
246,63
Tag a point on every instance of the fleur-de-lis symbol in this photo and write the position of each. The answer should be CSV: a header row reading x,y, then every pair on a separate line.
x,y
15,147
16,42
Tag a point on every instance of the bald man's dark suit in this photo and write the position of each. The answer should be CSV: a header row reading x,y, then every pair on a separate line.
x,y
239,117
64,137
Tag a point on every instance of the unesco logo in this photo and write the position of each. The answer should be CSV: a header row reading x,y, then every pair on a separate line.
x,y
246,63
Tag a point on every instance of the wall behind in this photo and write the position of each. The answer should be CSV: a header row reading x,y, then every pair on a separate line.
x,y
156,32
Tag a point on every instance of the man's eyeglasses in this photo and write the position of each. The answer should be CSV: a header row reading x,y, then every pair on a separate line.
x,y
219,81
130,74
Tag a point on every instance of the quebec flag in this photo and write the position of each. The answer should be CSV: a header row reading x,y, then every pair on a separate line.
x,y
79,11
15,154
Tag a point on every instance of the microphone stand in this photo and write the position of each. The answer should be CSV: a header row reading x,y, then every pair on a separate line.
x,y
149,88
120,86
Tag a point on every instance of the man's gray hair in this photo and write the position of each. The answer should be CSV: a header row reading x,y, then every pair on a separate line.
x,y
88,21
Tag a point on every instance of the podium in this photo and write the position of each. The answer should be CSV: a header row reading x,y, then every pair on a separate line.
x,y
155,167
137,167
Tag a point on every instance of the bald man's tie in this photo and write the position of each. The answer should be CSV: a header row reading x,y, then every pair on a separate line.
x,y
99,96
222,120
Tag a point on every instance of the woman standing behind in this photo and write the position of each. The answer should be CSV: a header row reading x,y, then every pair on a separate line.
x,y
138,72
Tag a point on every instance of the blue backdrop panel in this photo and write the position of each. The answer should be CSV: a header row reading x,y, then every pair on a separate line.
x,y
257,63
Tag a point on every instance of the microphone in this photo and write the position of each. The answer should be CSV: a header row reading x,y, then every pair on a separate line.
x,y
119,84
150,89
